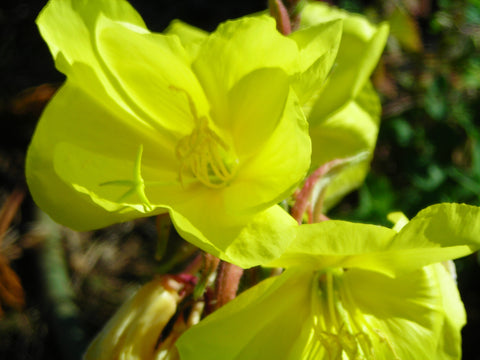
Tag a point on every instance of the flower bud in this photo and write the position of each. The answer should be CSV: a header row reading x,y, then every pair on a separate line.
x,y
134,331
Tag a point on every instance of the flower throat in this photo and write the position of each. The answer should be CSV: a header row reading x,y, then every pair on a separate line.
x,y
204,154
340,329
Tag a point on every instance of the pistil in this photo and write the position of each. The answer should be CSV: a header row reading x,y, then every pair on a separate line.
x,y
203,154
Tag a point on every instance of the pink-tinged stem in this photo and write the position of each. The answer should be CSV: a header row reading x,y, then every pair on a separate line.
x,y
280,13
293,9
195,265
210,263
204,262
226,286
302,200
209,267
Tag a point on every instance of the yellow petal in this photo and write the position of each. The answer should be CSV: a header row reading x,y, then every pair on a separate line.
x,y
237,48
135,329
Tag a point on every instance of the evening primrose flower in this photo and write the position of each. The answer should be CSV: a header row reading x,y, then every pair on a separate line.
x,y
212,132
351,291
342,107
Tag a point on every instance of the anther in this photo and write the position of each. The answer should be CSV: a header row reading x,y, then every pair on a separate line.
x,y
203,153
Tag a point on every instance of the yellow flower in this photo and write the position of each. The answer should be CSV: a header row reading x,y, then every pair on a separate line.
x,y
211,131
342,108
351,291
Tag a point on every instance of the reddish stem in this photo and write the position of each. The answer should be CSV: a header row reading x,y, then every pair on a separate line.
x,y
226,285
210,264
280,13
195,265
302,200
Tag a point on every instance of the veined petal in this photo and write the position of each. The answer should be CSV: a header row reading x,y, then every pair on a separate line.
x,y
407,315
351,131
269,133
256,105
334,243
318,45
63,20
270,321
245,242
438,233
442,224
450,339
264,238
314,13
235,49
279,165
190,36
51,170
360,48
318,40
152,74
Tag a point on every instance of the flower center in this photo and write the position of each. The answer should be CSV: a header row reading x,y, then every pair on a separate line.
x,y
340,329
206,156
203,154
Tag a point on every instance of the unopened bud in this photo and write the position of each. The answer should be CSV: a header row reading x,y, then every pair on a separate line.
x,y
134,331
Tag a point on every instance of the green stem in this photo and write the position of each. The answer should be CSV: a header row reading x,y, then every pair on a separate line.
x,y
63,314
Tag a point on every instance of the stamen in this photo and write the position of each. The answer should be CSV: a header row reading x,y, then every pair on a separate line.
x,y
204,154
339,327
330,294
